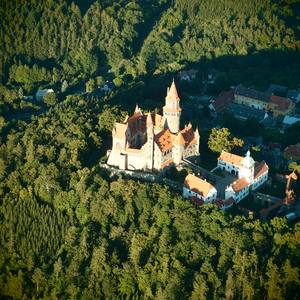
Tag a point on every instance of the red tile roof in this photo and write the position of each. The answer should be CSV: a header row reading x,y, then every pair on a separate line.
x,y
178,139
231,158
260,169
240,184
197,185
188,135
164,140
219,202
223,100
281,102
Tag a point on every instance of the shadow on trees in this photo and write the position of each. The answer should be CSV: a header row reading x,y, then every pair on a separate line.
x,y
257,69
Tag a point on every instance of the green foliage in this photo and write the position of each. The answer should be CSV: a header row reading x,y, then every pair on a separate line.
x,y
54,41
109,116
50,99
118,81
27,75
67,231
294,167
221,139
90,86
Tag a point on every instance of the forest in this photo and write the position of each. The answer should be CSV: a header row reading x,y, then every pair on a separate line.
x,y
70,231
60,44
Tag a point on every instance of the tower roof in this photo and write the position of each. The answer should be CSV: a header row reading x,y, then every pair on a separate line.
x,y
248,161
172,92
149,120
137,109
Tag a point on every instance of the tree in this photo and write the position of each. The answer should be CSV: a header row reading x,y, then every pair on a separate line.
x,y
50,99
273,283
221,139
200,288
90,86
99,81
64,86
2,123
108,117
294,167
118,81
85,62
39,279
230,288
21,93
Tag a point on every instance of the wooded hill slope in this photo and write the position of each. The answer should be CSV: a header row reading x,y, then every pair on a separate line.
x,y
63,40
68,231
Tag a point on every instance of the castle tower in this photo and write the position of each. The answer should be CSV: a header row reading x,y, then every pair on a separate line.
x,y
247,169
172,110
197,136
178,143
150,142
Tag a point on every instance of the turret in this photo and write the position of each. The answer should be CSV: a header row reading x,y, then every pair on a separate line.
x,y
137,109
247,169
150,141
197,137
179,143
172,110
197,134
149,121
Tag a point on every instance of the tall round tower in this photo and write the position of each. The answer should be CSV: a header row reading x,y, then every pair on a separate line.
x,y
172,110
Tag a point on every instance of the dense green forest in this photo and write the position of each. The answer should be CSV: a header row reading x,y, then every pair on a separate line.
x,y
67,229
51,42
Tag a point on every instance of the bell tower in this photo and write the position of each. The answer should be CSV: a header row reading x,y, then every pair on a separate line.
x,y
172,110
247,169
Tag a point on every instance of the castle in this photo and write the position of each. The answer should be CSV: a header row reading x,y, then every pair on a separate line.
x,y
150,141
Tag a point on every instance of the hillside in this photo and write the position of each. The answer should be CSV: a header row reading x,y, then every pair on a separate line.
x,y
134,38
68,230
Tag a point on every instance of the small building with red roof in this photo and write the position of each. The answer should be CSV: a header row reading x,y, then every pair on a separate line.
x,y
200,188
220,104
281,106
250,174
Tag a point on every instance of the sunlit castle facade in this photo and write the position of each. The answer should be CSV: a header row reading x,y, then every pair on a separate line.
x,y
149,141
250,174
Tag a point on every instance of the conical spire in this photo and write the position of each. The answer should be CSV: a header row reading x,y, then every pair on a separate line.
x,y
137,109
149,120
197,132
172,92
